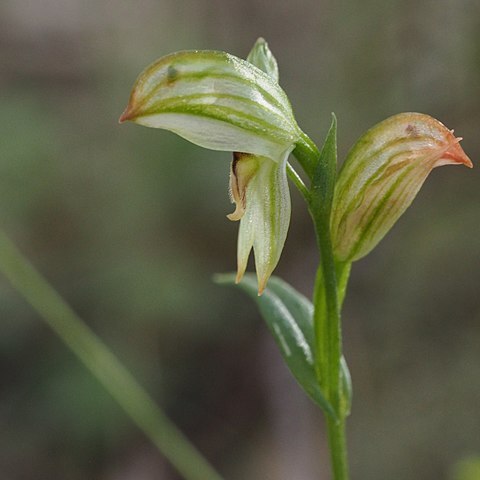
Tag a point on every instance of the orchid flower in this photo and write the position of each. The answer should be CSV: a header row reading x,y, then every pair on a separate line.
x,y
221,102
382,175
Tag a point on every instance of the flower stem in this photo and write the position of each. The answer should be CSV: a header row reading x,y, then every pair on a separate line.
x,y
328,294
103,364
326,319
297,180
306,152
338,450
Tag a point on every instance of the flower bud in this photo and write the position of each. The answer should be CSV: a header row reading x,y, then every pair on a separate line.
x,y
381,176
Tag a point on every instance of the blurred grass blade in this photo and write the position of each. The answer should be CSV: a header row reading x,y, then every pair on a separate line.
x,y
286,321
101,362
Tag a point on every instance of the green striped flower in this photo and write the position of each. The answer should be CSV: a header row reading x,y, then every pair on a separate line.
x,y
382,175
221,102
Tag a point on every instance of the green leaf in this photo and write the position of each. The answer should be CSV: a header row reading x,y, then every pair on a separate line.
x,y
298,305
302,310
288,317
324,173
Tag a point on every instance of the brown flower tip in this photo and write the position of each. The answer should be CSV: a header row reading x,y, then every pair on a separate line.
x,y
128,114
455,154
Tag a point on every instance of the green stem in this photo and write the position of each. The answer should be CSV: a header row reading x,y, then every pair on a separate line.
x,y
306,153
297,180
328,294
326,319
338,452
101,362
336,430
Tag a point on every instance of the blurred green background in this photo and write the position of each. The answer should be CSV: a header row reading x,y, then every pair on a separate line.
x,y
129,225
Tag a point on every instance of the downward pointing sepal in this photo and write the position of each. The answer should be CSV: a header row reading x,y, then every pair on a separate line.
x,y
382,175
221,102
265,217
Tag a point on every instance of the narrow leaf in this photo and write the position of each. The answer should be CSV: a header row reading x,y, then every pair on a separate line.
x,y
323,182
298,305
286,318
302,310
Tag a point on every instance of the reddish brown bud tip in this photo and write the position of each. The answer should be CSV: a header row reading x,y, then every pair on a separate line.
x,y
126,115
456,154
